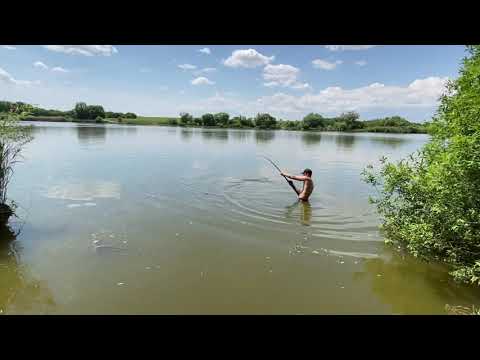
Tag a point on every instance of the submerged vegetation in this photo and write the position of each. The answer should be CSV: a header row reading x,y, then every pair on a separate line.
x,y
430,202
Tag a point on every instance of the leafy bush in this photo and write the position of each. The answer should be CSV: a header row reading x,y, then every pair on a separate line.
x,y
313,121
265,121
13,137
430,202
221,119
185,119
208,120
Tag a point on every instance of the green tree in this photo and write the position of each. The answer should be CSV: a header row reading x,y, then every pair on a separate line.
x,y
95,111
313,121
265,121
430,202
221,119
185,119
208,120
351,120
81,111
5,106
130,115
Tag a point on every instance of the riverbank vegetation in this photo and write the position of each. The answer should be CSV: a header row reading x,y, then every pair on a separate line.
x,y
349,121
81,112
345,122
13,137
430,202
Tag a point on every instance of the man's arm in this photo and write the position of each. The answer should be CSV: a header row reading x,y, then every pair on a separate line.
x,y
294,177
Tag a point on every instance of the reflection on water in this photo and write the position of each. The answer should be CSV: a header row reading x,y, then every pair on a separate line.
x,y
398,281
241,136
345,141
186,134
390,141
302,209
311,138
19,291
264,136
145,224
84,191
87,134
218,135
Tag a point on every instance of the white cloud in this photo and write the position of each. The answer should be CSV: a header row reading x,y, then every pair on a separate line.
x,y
284,76
60,69
301,86
204,70
348,47
419,93
202,81
325,65
145,70
9,47
205,51
8,79
40,65
249,58
361,62
87,50
280,75
187,67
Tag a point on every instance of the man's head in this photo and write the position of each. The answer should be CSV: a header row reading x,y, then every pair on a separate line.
x,y
307,172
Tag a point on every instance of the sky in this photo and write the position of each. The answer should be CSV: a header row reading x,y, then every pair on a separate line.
x,y
287,81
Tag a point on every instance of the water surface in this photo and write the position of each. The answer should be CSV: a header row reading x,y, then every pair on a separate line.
x,y
160,220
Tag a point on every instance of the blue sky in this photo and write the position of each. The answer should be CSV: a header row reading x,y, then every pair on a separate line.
x,y
287,81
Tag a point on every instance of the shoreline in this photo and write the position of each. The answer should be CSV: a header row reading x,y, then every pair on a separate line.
x,y
164,122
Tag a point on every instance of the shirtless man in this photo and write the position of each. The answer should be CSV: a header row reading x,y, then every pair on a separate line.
x,y
307,189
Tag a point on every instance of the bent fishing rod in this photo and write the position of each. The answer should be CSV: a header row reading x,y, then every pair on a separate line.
x,y
290,182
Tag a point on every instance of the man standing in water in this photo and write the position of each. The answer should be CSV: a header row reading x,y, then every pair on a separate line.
x,y
307,189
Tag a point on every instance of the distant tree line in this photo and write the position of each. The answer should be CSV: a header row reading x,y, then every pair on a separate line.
x,y
348,121
82,111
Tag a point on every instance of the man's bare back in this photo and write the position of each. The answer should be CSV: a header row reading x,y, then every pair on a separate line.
x,y
308,185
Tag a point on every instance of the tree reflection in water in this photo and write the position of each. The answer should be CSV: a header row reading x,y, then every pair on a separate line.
x,y
87,134
311,138
264,136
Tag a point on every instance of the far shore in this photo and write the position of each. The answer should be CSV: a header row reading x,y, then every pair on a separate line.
x,y
171,121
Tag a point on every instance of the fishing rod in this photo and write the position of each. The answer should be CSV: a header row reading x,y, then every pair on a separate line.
x,y
290,182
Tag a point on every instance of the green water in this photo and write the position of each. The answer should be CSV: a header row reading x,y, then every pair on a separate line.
x,y
159,220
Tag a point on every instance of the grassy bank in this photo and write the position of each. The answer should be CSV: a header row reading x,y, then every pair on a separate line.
x,y
145,120
44,118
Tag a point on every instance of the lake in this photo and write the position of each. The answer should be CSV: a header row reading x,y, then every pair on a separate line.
x,y
165,220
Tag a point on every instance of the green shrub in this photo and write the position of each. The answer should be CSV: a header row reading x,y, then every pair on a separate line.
x,y
430,202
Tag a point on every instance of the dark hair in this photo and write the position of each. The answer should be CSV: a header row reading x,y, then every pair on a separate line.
x,y
308,172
